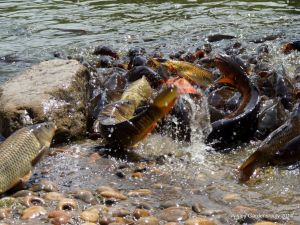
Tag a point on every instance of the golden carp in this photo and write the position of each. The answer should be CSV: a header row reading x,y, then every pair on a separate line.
x,y
189,71
270,146
22,150
119,111
129,132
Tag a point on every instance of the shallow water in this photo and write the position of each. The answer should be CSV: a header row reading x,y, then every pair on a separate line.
x,y
32,31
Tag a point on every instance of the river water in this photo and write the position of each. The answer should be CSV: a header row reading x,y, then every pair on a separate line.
x,y
31,31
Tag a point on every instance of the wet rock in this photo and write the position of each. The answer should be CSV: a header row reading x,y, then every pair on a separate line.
x,y
120,174
33,212
175,214
53,196
140,192
199,221
52,90
88,223
67,204
113,194
4,213
138,213
219,37
85,196
105,50
23,193
44,185
119,212
100,209
89,216
33,200
104,188
151,220
244,209
265,223
212,212
143,205
59,217
231,197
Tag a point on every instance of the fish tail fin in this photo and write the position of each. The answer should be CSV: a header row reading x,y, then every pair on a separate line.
x,y
166,99
248,167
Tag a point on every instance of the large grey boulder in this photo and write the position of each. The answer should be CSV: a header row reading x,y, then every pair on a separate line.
x,y
53,90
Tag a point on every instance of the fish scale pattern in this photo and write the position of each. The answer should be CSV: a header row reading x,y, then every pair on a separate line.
x,y
16,155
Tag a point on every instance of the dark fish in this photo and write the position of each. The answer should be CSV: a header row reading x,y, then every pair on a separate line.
x,y
288,154
129,132
283,87
139,71
274,142
105,50
231,129
266,38
219,37
22,150
270,118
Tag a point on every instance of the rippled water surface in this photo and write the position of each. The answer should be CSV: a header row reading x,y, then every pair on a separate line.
x,y
31,31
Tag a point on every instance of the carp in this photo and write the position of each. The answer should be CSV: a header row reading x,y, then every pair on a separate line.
x,y
195,74
270,146
128,132
21,151
231,129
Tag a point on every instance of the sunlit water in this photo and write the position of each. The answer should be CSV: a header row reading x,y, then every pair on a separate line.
x,y
30,31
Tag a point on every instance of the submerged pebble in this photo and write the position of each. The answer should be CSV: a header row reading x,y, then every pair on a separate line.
x,y
33,212
59,217
174,214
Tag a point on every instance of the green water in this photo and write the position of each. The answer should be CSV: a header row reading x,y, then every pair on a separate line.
x,y
30,31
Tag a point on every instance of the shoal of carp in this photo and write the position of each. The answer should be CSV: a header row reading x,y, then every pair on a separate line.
x,y
22,150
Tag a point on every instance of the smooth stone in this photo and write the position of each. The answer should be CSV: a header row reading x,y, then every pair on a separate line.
x,y
199,221
175,214
151,220
104,188
100,209
89,216
55,89
88,223
231,197
53,196
85,196
212,212
265,223
244,209
119,212
113,194
67,204
33,212
143,205
138,213
44,185
5,213
171,223
59,217
140,192
23,193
